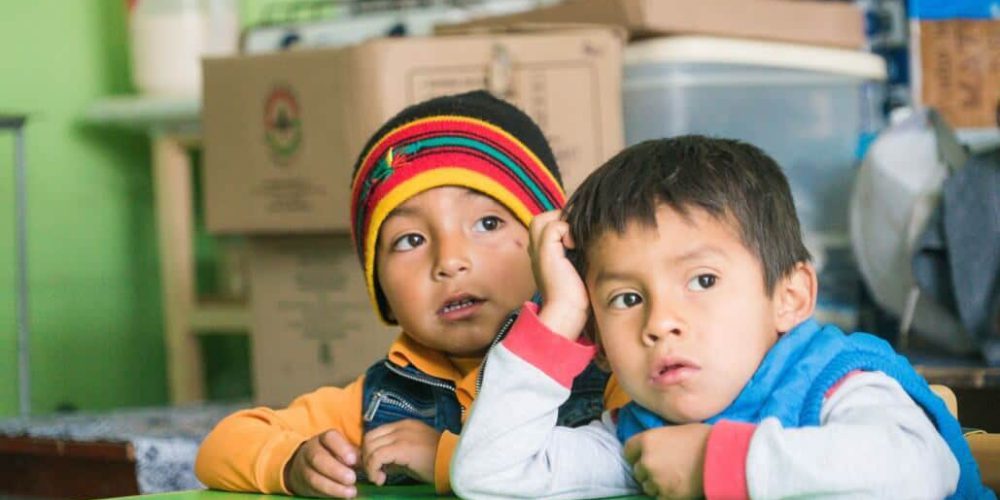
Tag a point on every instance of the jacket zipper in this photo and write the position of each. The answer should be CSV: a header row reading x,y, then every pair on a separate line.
x,y
389,399
376,402
434,383
504,329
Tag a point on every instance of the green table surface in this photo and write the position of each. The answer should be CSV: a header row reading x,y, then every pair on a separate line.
x,y
365,491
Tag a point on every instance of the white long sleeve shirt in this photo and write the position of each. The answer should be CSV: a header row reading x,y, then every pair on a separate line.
x,y
873,441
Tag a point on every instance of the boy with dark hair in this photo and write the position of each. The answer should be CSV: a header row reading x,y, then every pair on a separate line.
x,y
690,265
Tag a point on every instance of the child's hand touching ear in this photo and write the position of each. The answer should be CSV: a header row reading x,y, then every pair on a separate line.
x,y
565,304
407,445
322,467
668,462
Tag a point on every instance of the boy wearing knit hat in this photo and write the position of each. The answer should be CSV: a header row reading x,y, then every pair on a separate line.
x,y
442,196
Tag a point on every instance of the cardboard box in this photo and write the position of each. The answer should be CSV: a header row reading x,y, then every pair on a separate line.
x,y
312,324
836,24
282,131
956,69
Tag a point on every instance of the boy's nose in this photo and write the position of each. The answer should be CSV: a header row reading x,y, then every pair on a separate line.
x,y
663,321
452,260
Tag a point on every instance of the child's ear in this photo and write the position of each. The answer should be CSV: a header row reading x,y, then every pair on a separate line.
x,y
795,296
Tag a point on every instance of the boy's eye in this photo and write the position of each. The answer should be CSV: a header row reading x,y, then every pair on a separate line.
x,y
408,242
702,282
625,300
488,223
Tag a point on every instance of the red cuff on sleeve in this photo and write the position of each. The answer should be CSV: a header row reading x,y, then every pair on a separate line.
x,y
557,356
833,388
726,460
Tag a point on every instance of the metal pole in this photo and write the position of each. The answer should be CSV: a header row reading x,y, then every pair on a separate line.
x,y
21,240
23,332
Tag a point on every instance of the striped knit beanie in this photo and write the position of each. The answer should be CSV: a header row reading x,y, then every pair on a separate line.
x,y
473,140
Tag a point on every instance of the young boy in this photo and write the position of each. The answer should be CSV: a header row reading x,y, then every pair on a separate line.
x,y
442,196
701,294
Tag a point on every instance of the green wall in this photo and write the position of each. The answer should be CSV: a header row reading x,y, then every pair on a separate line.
x,y
96,316
95,311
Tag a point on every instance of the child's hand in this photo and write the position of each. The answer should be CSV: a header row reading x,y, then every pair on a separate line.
x,y
668,462
409,446
565,304
322,467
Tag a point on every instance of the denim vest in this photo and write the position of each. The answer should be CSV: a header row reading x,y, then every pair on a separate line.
x,y
392,393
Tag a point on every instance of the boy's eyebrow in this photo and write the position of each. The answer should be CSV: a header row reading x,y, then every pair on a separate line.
x,y
605,275
693,254
472,193
402,211
698,252
399,211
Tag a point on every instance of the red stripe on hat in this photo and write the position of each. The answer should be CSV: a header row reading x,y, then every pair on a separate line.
x,y
456,159
430,127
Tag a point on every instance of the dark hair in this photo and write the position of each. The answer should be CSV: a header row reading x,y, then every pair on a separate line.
x,y
731,180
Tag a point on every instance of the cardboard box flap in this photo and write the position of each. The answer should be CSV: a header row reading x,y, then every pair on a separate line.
x,y
811,22
520,27
820,23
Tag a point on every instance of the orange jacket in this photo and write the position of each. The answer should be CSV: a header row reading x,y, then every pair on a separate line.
x,y
248,450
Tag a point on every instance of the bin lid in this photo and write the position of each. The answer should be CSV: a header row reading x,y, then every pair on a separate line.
x,y
703,49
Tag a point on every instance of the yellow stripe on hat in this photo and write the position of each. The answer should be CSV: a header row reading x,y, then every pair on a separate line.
x,y
437,177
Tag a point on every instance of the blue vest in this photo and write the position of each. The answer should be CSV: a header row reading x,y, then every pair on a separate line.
x,y
392,393
792,381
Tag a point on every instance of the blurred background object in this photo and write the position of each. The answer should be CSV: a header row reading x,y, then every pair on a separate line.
x,y
15,125
330,23
955,59
898,187
137,301
168,38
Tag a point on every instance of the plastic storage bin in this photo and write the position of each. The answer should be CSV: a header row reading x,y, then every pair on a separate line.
x,y
811,108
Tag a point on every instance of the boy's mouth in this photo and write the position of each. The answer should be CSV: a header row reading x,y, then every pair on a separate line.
x,y
671,371
459,304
